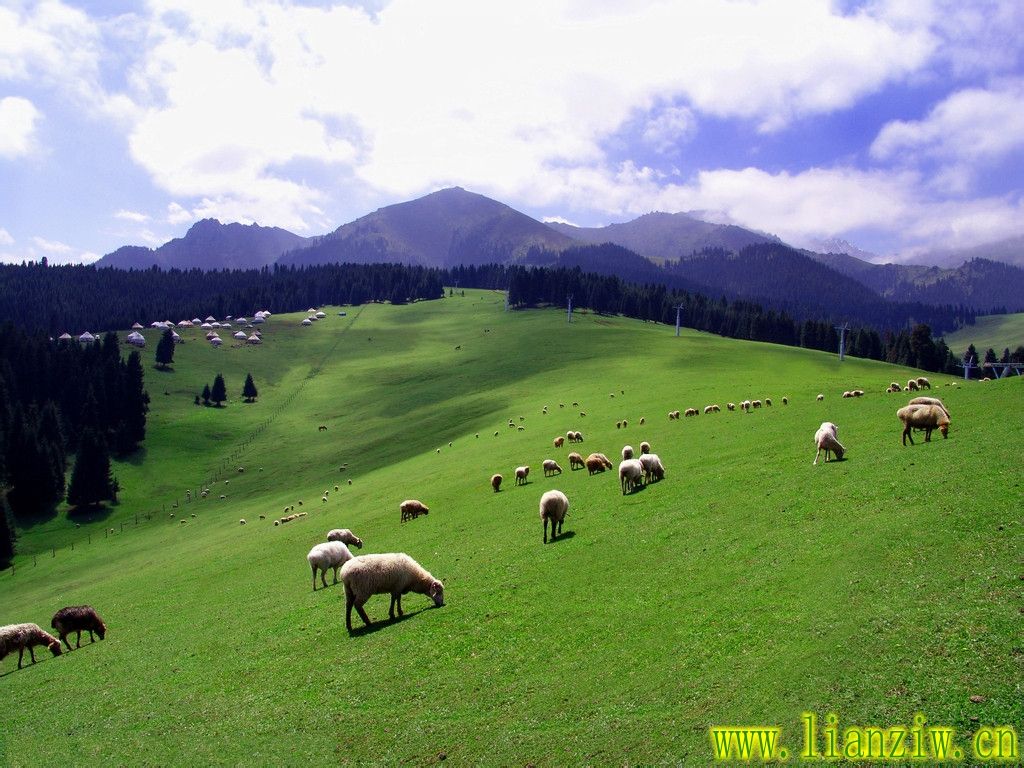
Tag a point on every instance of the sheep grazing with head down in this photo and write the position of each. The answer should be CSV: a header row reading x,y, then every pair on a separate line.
x,y
551,467
412,508
330,554
826,439
521,474
631,475
553,506
820,397
496,482
645,447
627,452
76,618
785,401
576,461
394,573
559,441
690,412
912,385
654,470
923,382
926,417
18,637
345,536
597,462
731,406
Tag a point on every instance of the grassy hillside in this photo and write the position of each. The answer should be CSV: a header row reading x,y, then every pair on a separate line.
x,y
745,588
995,331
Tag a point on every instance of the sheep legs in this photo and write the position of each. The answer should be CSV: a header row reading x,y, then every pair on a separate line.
x,y
906,434
64,639
396,600
350,600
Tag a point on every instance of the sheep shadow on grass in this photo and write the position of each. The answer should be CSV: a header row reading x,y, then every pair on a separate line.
x,y
383,623
561,537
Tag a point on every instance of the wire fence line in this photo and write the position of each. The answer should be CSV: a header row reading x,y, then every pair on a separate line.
x,y
203,489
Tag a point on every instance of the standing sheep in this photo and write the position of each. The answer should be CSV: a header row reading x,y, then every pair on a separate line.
x,y
559,441
731,406
551,467
923,383
912,385
395,573
645,447
75,618
330,554
631,475
496,482
597,462
627,452
826,439
929,401
575,461
345,536
412,508
926,417
653,468
553,506
521,474
21,636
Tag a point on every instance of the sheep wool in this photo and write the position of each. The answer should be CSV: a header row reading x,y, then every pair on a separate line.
x,y
826,440
331,554
18,637
553,506
412,508
926,417
496,482
654,470
345,536
394,573
551,467
521,475
631,475
76,618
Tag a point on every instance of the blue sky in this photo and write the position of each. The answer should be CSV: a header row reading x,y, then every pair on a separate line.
x,y
895,124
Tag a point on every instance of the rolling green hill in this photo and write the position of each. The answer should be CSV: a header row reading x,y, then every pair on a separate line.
x,y
746,588
995,331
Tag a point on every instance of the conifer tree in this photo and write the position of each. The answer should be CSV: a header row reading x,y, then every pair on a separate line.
x,y
165,349
206,394
7,532
219,393
134,406
91,481
249,391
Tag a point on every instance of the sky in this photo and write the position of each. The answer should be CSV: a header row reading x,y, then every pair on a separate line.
x,y
897,125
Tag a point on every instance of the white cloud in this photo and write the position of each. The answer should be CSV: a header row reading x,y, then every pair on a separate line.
x,y
5,237
17,125
670,128
177,214
135,216
971,124
54,251
52,246
558,220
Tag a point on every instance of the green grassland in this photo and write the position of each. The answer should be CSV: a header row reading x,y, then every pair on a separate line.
x,y
745,588
997,332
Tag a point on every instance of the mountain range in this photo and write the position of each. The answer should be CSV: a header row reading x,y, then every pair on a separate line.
x,y
454,226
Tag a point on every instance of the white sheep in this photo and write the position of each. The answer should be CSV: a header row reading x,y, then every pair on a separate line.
x,y
330,554
645,447
345,536
412,508
553,506
929,401
627,452
826,439
576,461
653,468
18,637
496,482
551,467
926,417
820,397
394,573
631,475
521,475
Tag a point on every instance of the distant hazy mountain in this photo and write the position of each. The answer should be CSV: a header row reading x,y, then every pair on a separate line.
x,y
442,229
208,244
1009,251
668,236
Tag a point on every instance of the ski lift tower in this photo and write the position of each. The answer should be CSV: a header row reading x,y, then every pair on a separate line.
x,y
842,339
569,313
679,309
967,365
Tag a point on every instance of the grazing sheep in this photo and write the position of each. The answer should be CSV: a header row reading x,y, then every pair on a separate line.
x,y
654,470
576,461
756,403
691,412
330,554
553,506
21,636
847,393
926,417
631,475
912,385
335,487
395,573
858,393
826,440
496,482
627,452
618,425
745,406
345,536
929,401
242,521
75,618
597,462
820,397
521,429
923,383
708,409
551,467
785,401
625,423
731,406
412,508
642,421
767,401
575,404
559,441
894,386
521,474
645,447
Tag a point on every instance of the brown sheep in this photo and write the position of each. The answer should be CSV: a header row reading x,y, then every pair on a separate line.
x,y
559,441
412,508
75,618
576,461
597,462
912,385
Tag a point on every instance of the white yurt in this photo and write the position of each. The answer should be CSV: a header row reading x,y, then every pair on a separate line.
x,y
211,335
65,337
137,326
240,335
87,338
210,318
258,319
175,337
241,320
307,321
320,315
206,326
196,321
216,341
254,339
